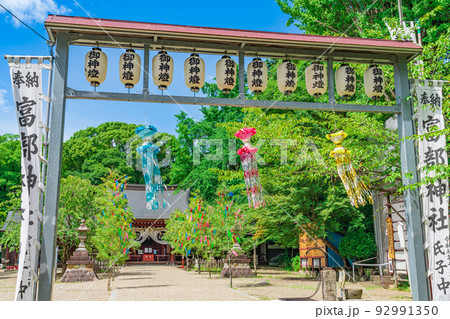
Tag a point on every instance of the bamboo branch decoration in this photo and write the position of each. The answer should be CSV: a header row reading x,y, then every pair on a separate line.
x,y
357,191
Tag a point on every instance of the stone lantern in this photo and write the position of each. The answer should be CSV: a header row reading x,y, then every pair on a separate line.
x,y
80,266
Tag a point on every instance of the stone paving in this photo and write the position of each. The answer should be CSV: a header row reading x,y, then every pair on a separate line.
x,y
159,282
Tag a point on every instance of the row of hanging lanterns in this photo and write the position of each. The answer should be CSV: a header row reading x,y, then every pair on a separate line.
x,y
226,72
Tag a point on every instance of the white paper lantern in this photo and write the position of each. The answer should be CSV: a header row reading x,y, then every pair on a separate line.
x,y
374,82
129,68
257,76
194,72
162,70
345,79
95,66
226,74
316,79
287,77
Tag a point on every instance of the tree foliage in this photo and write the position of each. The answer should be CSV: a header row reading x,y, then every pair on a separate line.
x,y
11,237
113,235
77,202
9,164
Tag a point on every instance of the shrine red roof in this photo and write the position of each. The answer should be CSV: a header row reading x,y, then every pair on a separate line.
x,y
84,25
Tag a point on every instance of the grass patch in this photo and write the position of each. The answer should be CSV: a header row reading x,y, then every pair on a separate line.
x,y
403,286
304,287
265,298
370,287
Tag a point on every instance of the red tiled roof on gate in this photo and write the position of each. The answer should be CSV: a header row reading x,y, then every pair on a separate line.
x,y
231,33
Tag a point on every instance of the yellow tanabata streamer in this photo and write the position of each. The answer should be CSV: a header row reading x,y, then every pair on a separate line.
x,y
358,193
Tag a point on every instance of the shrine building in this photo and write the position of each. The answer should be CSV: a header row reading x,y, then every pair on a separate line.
x,y
150,225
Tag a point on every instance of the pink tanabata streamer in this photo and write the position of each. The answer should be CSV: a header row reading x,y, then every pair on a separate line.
x,y
249,165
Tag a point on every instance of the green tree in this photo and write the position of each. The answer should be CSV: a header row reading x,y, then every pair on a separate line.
x,y
11,238
358,245
77,202
207,231
368,19
113,236
9,164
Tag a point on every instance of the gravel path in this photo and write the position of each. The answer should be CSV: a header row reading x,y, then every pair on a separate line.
x,y
158,282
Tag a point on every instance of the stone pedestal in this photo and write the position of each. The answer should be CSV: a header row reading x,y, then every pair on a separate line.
x,y
240,264
80,266
329,284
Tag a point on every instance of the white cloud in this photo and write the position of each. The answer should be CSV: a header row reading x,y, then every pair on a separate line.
x,y
31,11
4,107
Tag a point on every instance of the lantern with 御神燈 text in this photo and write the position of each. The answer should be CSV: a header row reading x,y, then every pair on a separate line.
x,y
162,70
257,76
129,68
95,66
194,72
316,79
287,77
345,81
374,82
226,74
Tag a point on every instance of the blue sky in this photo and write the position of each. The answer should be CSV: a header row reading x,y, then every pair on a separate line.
x,y
263,15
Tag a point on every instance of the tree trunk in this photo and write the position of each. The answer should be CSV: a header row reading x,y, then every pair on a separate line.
x,y
209,266
254,259
199,264
109,279
113,271
333,248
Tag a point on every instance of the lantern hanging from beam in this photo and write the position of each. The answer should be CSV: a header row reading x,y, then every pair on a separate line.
x,y
150,168
250,167
226,74
374,82
95,66
162,70
316,79
130,68
345,79
194,72
357,191
287,77
257,76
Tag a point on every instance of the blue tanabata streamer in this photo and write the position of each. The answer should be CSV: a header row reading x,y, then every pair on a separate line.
x,y
150,168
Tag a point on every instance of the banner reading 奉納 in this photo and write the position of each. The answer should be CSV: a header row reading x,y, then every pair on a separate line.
x,y
26,79
432,155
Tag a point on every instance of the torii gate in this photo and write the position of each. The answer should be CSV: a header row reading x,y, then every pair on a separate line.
x,y
67,31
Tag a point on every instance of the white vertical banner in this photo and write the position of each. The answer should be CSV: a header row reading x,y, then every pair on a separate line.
x,y
434,195
26,81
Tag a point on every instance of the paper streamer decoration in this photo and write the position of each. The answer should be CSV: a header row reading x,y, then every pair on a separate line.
x,y
249,165
357,191
150,168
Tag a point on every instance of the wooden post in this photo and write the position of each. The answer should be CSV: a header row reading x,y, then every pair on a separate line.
x,y
254,259
229,269
329,284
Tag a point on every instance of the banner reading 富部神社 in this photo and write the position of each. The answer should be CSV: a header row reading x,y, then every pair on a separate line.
x,y
26,79
432,155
